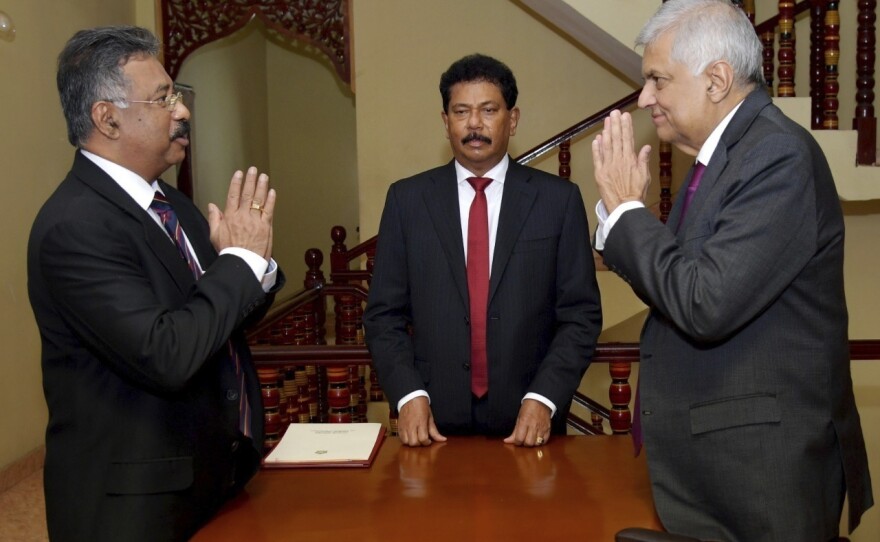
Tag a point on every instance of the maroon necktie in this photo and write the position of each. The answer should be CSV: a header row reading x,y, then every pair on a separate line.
x,y
691,190
478,283
166,213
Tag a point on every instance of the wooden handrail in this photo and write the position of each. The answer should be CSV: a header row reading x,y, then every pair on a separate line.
x,y
577,129
770,24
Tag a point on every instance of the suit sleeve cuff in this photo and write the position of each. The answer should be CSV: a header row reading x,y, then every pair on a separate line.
x,y
606,221
541,399
265,272
410,396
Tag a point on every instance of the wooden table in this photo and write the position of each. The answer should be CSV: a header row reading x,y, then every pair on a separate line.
x,y
470,488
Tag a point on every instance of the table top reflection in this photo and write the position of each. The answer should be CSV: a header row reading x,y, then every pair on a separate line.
x,y
469,488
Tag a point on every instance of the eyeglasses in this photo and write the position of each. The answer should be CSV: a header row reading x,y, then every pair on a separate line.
x,y
168,102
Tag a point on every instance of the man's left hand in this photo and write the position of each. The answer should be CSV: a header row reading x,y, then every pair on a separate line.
x,y
532,425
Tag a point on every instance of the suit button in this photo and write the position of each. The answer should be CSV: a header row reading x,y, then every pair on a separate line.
x,y
235,446
466,366
231,395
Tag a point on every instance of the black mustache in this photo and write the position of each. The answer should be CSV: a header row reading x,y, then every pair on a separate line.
x,y
473,136
182,130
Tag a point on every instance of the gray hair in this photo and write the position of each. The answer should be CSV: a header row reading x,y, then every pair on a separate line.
x,y
90,69
707,31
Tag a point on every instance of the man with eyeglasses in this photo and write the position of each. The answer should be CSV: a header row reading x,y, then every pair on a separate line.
x,y
155,414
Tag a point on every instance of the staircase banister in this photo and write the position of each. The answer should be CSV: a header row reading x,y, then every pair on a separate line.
x,y
356,290
350,275
356,251
577,129
312,354
770,24
281,308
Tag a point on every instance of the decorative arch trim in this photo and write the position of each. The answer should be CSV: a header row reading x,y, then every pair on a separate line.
x,y
324,24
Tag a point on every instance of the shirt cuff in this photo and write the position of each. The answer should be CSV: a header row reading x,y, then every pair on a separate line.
x,y
607,221
265,272
410,396
541,399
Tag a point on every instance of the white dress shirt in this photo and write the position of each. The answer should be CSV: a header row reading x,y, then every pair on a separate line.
x,y
142,194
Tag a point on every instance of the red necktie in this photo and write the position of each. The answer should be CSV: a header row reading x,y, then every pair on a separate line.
x,y
478,283
166,213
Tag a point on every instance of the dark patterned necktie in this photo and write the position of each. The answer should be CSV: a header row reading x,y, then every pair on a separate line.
x,y
166,213
478,283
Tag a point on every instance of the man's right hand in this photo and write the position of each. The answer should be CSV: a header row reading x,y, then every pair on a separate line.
x,y
415,424
247,220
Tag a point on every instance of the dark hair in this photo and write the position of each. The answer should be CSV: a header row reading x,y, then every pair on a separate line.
x,y
90,70
476,68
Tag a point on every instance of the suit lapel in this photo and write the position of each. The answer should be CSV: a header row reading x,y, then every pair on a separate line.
x,y
166,252
519,195
754,103
441,200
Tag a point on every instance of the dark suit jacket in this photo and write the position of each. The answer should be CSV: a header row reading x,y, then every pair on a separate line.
x,y
747,401
543,312
136,370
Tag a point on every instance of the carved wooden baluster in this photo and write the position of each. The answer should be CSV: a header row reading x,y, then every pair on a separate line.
x,y
565,159
354,386
597,422
767,40
315,278
349,319
273,420
338,253
362,393
303,398
291,394
786,53
665,180
376,393
316,414
299,327
393,422
817,62
338,395
865,121
749,7
620,394
338,262
832,57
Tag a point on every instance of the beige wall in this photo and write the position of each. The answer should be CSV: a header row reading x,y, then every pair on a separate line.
x,y
292,118
35,156
313,156
230,119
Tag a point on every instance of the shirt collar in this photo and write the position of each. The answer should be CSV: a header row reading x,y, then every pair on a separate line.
x,y
134,185
708,148
497,173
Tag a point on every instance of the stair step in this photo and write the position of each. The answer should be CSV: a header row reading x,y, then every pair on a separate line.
x,y
854,182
